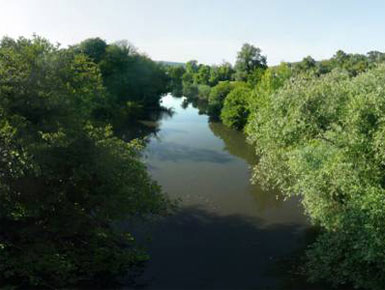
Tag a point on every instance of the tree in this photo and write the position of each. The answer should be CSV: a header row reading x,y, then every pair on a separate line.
x,y
132,80
321,138
249,58
217,97
94,48
307,64
65,180
223,72
192,67
376,56
236,108
340,57
202,77
175,75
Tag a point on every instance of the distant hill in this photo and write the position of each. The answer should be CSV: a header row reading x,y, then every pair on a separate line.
x,y
171,63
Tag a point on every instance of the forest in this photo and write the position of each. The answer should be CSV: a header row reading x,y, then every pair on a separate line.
x,y
68,176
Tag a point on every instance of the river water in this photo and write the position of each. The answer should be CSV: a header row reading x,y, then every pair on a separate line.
x,y
227,233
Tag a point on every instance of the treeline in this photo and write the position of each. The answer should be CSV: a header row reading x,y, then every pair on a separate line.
x,y
318,128
250,72
134,83
65,178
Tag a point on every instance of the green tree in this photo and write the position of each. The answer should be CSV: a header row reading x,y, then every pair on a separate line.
x,y
192,67
134,83
321,138
129,76
376,56
249,58
307,64
217,97
175,75
204,92
94,48
223,72
65,180
272,80
202,77
236,108
353,63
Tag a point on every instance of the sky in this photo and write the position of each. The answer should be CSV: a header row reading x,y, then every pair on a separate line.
x,y
209,31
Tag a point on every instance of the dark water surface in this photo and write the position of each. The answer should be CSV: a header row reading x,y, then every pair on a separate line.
x,y
228,233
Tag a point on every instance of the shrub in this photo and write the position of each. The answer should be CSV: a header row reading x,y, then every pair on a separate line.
x,y
236,107
217,97
204,91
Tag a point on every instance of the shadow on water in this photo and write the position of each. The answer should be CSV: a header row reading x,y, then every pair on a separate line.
x,y
167,151
236,145
145,128
196,249
227,233
235,142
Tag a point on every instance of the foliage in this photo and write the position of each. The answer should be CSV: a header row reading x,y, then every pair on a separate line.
x,y
272,79
255,76
223,72
94,48
175,75
129,77
204,92
217,97
195,80
307,64
202,77
322,138
249,58
236,108
190,90
64,178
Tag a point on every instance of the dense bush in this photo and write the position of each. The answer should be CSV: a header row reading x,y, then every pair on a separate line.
x,y
131,79
175,75
64,178
204,92
243,100
190,90
236,108
322,138
194,80
217,97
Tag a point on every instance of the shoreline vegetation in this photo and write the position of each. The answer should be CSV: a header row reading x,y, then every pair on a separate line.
x,y
66,177
70,168
318,131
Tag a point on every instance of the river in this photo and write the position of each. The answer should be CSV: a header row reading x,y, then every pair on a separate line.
x,y
227,233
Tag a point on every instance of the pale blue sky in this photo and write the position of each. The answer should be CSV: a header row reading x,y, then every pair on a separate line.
x,y
207,30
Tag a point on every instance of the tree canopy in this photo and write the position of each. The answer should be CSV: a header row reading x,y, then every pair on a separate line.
x,y
249,58
65,179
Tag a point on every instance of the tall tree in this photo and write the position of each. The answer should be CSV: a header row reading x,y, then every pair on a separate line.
x,y
249,58
95,48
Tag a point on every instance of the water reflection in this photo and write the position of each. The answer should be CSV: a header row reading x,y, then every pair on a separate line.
x,y
168,151
145,128
197,249
228,233
235,142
